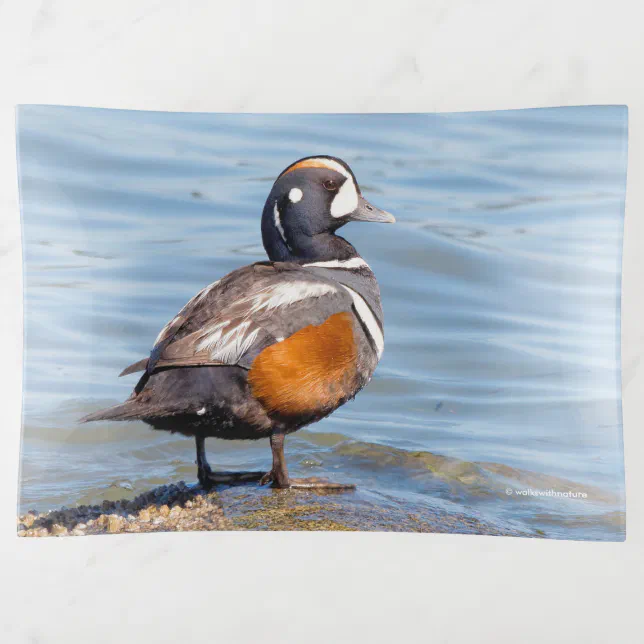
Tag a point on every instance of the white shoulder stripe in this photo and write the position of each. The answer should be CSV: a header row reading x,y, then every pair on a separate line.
x,y
368,319
354,262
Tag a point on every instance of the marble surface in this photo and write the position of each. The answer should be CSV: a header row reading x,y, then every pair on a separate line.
x,y
335,56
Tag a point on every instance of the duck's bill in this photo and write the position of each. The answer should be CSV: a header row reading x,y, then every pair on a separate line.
x,y
366,212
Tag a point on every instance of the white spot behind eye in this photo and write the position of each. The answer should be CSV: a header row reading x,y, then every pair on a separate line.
x,y
295,195
346,200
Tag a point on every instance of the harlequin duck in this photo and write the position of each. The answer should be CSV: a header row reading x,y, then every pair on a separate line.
x,y
276,345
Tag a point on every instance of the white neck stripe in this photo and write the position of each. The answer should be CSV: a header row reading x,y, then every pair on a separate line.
x,y
354,262
278,224
368,319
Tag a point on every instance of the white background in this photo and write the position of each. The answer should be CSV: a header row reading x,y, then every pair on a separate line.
x,y
320,56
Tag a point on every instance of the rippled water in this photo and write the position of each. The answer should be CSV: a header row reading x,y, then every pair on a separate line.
x,y
500,286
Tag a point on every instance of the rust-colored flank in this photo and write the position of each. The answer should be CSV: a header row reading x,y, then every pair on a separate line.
x,y
309,372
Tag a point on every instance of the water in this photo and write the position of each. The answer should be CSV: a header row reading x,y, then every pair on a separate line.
x,y
500,285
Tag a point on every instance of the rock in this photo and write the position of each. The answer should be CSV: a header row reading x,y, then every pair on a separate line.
x,y
114,523
171,507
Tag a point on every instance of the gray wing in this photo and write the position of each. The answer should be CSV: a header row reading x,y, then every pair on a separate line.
x,y
232,320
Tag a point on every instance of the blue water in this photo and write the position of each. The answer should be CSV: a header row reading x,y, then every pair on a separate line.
x,y
500,286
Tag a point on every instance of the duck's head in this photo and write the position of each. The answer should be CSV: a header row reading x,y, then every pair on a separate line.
x,y
309,201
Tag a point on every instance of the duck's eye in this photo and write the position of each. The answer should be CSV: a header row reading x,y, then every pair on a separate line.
x,y
331,185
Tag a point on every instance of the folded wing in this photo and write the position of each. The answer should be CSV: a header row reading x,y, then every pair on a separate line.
x,y
233,320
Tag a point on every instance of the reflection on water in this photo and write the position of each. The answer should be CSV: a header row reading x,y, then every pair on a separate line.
x,y
500,286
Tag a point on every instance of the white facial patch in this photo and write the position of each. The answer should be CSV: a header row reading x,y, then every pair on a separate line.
x,y
295,195
278,224
346,200
368,319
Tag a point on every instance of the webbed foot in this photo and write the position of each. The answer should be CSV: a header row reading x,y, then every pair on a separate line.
x,y
209,479
313,483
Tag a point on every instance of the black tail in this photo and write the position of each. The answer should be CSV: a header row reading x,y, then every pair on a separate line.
x,y
141,365
129,410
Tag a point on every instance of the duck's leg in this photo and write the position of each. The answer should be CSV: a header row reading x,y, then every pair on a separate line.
x,y
279,477
208,478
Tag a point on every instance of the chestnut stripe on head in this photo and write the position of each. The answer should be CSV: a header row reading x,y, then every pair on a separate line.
x,y
319,162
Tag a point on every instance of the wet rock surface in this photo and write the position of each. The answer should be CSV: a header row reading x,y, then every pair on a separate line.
x,y
176,508
342,511
441,494
168,508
